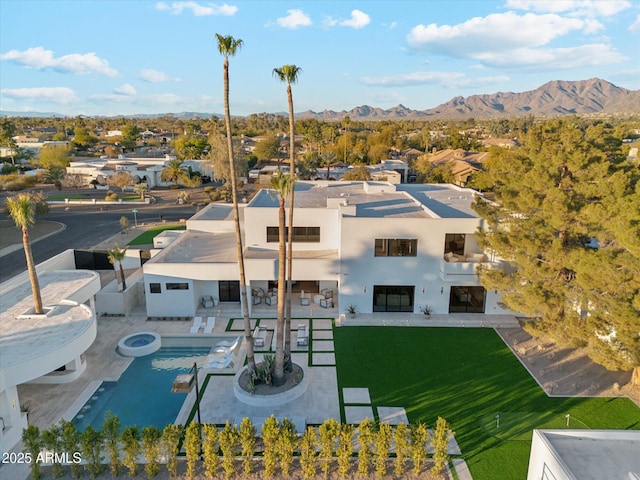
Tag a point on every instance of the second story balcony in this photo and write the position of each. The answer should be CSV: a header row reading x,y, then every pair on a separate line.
x,y
455,267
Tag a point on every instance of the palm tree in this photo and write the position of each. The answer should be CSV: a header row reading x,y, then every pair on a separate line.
x,y
289,74
282,184
22,210
227,46
116,255
329,157
174,171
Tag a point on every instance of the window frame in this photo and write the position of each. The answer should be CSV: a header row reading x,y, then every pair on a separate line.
x,y
176,286
395,247
155,287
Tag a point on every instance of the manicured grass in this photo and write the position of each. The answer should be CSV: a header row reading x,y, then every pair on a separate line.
x,y
147,237
467,376
70,197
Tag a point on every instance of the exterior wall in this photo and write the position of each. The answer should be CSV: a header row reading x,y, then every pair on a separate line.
x,y
359,268
258,219
170,303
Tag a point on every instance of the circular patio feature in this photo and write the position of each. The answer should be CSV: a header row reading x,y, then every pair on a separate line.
x,y
294,388
139,344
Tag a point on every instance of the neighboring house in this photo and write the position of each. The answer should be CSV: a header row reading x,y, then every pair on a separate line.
x,y
113,133
146,170
463,163
584,454
378,246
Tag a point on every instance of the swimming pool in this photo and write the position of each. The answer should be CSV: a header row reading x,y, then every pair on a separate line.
x,y
142,396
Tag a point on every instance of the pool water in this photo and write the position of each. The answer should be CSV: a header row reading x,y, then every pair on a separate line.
x,y
142,396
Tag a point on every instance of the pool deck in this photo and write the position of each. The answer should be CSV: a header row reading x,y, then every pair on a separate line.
x,y
49,403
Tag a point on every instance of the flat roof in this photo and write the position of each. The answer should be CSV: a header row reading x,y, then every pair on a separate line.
x,y
597,454
217,211
200,247
402,200
23,339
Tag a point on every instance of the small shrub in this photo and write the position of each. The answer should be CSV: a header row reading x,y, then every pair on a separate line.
x,y
51,441
151,450
228,439
382,441
418,446
32,445
131,448
345,449
328,432
270,433
365,439
440,441
248,443
111,432
192,447
286,446
308,453
69,441
210,449
401,438
169,446
91,442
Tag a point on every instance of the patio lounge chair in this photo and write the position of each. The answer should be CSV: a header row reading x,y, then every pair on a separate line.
x,y
259,336
211,322
303,336
271,300
197,323
228,343
223,362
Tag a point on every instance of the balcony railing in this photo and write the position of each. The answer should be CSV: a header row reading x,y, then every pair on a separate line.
x,y
457,267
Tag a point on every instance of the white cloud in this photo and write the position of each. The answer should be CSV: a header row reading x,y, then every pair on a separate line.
x,y
295,18
60,95
127,90
176,8
635,26
76,63
358,19
552,58
584,8
446,79
509,40
155,76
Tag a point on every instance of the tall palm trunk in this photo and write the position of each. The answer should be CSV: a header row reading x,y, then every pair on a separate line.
x,y
278,373
124,283
33,277
292,172
251,364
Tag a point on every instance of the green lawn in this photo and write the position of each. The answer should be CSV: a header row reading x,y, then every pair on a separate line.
x,y
146,238
467,376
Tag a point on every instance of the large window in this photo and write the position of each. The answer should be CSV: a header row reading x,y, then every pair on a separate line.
x,y
454,243
467,299
300,234
229,290
177,286
393,298
396,247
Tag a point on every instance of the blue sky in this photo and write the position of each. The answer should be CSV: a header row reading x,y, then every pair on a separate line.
x,y
125,57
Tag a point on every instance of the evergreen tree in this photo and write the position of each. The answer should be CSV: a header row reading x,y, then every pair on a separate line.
x,y
566,220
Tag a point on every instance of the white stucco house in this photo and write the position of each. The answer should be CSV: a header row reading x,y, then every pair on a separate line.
x,y
375,245
584,454
46,348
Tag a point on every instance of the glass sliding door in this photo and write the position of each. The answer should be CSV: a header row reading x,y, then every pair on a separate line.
x,y
467,299
393,298
229,291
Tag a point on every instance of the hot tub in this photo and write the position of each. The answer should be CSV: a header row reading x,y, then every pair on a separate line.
x,y
139,344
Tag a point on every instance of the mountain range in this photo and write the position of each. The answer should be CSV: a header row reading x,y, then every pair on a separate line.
x,y
555,98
